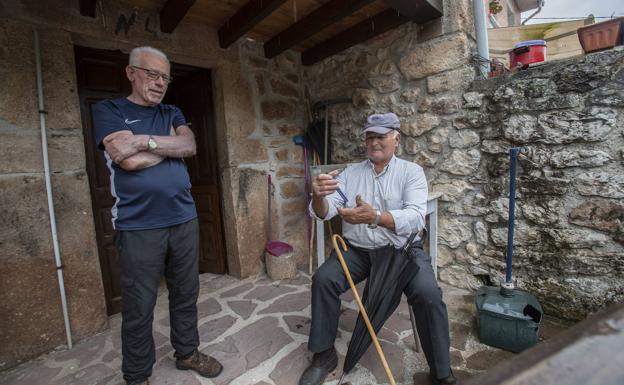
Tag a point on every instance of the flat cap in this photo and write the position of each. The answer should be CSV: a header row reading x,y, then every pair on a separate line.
x,y
382,123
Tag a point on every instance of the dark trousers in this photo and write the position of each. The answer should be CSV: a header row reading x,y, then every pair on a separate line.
x,y
423,294
145,255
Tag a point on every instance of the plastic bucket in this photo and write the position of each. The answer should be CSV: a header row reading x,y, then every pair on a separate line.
x,y
527,52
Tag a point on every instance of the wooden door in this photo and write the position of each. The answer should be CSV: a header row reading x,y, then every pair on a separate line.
x,y
191,91
101,75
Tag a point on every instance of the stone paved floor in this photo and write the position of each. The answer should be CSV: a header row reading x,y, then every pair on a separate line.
x,y
258,329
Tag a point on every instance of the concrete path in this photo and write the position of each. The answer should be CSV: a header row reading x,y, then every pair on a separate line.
x,y
258,329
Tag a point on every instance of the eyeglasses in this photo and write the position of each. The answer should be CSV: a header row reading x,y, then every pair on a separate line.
x,y
154,75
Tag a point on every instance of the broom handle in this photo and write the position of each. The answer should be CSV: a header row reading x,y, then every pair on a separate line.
x,y
361,306
311,246
270,219
513,155
326,139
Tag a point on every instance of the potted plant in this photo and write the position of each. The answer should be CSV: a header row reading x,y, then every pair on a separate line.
x,y
601,36
495,7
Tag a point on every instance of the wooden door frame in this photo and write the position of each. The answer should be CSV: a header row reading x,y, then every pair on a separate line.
x,y
178,71
90,160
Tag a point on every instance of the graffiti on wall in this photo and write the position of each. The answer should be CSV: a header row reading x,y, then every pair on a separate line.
x,y
126,23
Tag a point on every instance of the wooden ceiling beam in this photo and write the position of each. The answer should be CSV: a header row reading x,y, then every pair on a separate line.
x,y
172,14
87,7
322,17
419,11
247,17
365,30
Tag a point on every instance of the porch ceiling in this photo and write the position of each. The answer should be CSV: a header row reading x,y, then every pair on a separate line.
x,y
319,28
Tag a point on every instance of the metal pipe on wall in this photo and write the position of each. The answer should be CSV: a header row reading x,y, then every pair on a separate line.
x,y
540,4
494,22
482,39
46,167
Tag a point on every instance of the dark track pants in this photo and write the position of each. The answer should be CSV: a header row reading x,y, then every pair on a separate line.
x,y
145,255
423,294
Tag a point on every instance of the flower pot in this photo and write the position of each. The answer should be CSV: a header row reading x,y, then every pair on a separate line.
x,y
601,36
282,266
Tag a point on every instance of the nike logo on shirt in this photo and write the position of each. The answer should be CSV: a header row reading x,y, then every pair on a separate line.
x,y
132,121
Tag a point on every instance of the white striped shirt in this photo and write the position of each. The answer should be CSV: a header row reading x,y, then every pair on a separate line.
x,y
400,189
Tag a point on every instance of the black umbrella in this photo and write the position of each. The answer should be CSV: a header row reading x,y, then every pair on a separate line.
x,y
391,270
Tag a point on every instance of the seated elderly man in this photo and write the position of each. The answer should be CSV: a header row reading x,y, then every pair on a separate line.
x,y
390,196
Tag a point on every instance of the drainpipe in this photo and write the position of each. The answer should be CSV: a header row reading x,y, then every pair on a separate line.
x,y
46,167
482,40
540,4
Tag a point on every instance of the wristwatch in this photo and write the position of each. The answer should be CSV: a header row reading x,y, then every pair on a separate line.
x,y
376,220
151,144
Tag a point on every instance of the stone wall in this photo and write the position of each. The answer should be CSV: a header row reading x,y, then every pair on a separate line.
x,y
278,103
416,71
569,233
32,319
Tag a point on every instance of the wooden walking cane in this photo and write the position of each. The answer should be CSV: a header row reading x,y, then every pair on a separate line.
x,y
361,306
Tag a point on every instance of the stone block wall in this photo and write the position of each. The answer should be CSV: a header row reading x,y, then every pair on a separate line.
x,y
416,71
569,233
32,319
278,103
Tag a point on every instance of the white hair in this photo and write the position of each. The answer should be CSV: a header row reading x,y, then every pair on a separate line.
x,y
135,54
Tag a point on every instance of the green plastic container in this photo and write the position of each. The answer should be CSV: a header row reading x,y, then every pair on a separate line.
x,y
509,321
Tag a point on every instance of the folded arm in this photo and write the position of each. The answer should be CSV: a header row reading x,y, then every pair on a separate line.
x,y
180,144
121,145
141,160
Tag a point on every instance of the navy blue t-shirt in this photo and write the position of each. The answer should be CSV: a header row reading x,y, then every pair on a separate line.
x,y
154,197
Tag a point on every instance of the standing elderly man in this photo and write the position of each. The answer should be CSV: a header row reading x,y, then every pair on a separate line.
x,y
390,196
154,215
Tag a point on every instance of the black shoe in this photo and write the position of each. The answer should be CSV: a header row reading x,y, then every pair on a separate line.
x,y
322,364
450,380
146,382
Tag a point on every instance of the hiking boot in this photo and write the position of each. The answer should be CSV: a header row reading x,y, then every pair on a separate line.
x,y
203,364
322,364
146,382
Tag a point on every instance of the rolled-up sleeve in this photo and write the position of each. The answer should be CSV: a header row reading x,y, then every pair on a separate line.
x,y
411,217
334,201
